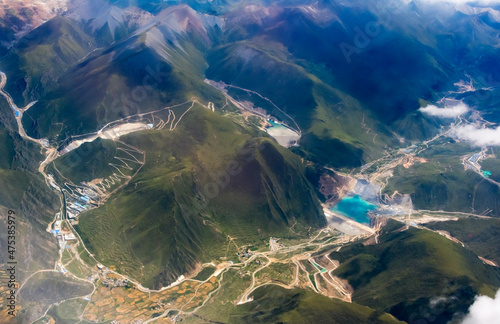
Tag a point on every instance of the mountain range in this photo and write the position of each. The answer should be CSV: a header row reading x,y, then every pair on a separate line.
x,y
152,120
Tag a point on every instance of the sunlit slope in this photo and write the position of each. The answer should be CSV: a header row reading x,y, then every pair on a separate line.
x,y
92,160
158,66
126,79
480,235
409,269
347,111
207,179
441,183
273,304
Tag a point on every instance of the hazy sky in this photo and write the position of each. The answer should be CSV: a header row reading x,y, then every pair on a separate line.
x,y
482,2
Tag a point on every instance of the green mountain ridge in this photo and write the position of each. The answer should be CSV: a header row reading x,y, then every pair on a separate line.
x,y
274,304
263,59
214,182
24,196
207,179
39,58
479,235
409,268
266,67
441,183
136,75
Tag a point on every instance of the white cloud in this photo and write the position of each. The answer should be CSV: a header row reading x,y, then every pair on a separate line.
x,y
447,111
485,310
477,136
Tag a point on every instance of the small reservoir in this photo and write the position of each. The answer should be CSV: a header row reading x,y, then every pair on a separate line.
x,y
284,136
355,208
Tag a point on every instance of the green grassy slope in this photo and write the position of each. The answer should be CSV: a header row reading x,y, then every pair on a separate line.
x,y
23,191
180,207
443,184
14,181
415,274
88,162
492,165
129,77
273,304
47,288
458,191
18,166
68,311
388,76
480,235
329,118
40,57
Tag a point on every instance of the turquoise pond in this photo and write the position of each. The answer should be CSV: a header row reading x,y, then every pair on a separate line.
x,y
274,124
355,208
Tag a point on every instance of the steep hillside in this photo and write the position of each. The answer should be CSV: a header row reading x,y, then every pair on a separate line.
x,y
207,179
273,304
107,23
23,191
442,183
40,57
161,66
328,118
415,273
156,114
480,235
26,198
90,161
385,70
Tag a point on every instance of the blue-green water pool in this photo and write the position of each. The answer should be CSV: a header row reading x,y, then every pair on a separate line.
x,y
275,124
354,207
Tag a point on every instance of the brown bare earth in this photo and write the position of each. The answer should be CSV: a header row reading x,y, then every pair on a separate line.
x,y
334,186
26,15
124,304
